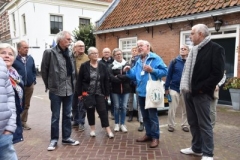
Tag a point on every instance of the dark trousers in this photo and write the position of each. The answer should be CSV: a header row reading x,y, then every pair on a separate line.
x,y
198,115
78,111
101,110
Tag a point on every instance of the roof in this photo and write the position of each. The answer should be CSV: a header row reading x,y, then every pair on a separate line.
x,y
132,12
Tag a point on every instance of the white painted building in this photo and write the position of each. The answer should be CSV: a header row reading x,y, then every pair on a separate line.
x,y
38,21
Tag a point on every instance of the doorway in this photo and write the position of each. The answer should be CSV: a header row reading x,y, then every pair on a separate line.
x,y
229,45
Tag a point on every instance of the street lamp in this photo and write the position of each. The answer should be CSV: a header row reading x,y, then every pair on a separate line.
x,y
218,24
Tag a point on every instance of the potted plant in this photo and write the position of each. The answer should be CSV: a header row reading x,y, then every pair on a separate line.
x,y
233,84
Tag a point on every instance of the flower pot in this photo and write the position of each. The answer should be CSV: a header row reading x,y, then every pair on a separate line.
x,y
235,96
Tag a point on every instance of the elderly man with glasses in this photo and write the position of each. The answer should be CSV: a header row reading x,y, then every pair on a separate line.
x,y
172,86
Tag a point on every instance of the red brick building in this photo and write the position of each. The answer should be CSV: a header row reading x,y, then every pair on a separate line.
x,y
166,24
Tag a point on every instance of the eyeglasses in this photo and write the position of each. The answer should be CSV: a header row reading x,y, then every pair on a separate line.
x,y
183,49
94,53
118,55
80,46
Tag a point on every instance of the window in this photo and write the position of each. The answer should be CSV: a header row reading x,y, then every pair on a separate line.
x,y
126,45
24,24
14,24
84,21
56,23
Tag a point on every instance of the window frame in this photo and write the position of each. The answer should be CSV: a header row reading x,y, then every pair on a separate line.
x,y
127,55
58,23
84,19
24,25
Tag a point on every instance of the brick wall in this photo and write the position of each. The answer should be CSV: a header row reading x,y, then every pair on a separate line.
x,y
4,27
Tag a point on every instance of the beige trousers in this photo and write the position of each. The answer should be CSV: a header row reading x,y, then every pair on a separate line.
x,y
28,91
177,100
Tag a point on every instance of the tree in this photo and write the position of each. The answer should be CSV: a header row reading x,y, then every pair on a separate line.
x,y
85,34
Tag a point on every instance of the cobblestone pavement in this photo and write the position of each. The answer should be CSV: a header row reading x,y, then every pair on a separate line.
x,y
123,146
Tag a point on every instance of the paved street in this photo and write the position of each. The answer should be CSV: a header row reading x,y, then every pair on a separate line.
x,y
123,146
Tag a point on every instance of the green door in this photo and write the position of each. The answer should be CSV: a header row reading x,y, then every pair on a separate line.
x,y
229,45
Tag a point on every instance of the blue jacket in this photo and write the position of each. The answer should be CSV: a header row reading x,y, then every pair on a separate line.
x,y
159,70
175,74
27,71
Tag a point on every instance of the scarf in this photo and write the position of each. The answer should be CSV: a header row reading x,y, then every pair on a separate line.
x,y
185,85
118,65
15,81
68,61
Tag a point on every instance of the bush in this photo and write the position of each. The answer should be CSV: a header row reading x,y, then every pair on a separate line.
x,y
85,34
232,83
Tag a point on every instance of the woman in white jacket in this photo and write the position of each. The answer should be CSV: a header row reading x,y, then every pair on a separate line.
x,y
7,114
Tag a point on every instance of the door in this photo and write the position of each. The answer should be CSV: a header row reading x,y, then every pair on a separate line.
x,y
229,45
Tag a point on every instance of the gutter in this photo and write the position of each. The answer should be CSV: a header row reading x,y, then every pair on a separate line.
x,y
197,16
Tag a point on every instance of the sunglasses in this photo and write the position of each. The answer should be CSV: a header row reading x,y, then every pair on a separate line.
x,y
183,49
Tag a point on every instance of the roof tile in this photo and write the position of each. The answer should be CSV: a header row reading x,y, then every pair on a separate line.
x,y
130,12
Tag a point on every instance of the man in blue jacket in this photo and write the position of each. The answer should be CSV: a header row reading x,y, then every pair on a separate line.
x,y
25,66
148,62
172,88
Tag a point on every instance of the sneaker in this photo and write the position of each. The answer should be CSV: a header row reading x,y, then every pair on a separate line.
x,y
81,127
25,126
74,125
207,158
70,141
123,128
52,146
185,129
92,134
170,129
110,135
190,151
116,128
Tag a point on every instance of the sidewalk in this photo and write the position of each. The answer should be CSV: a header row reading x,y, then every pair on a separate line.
x,y
123,146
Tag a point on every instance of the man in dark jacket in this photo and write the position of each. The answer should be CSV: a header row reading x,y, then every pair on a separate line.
x,y
203,70
25,66
172,89
107,59
58,74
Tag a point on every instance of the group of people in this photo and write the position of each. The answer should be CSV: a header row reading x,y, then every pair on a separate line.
x,y
18,77
70,77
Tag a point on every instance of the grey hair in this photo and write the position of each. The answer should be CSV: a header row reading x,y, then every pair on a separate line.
x,y
19,44
90,49
186,46
6,45
61,35
144,42
116,50
202,28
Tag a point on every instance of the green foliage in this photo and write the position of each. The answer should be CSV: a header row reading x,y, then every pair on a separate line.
x,y
233,83
85,34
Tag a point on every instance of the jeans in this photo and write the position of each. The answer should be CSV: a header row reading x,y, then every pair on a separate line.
x,y
7,150
78,111
150,119
66,115
120,107
198,115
